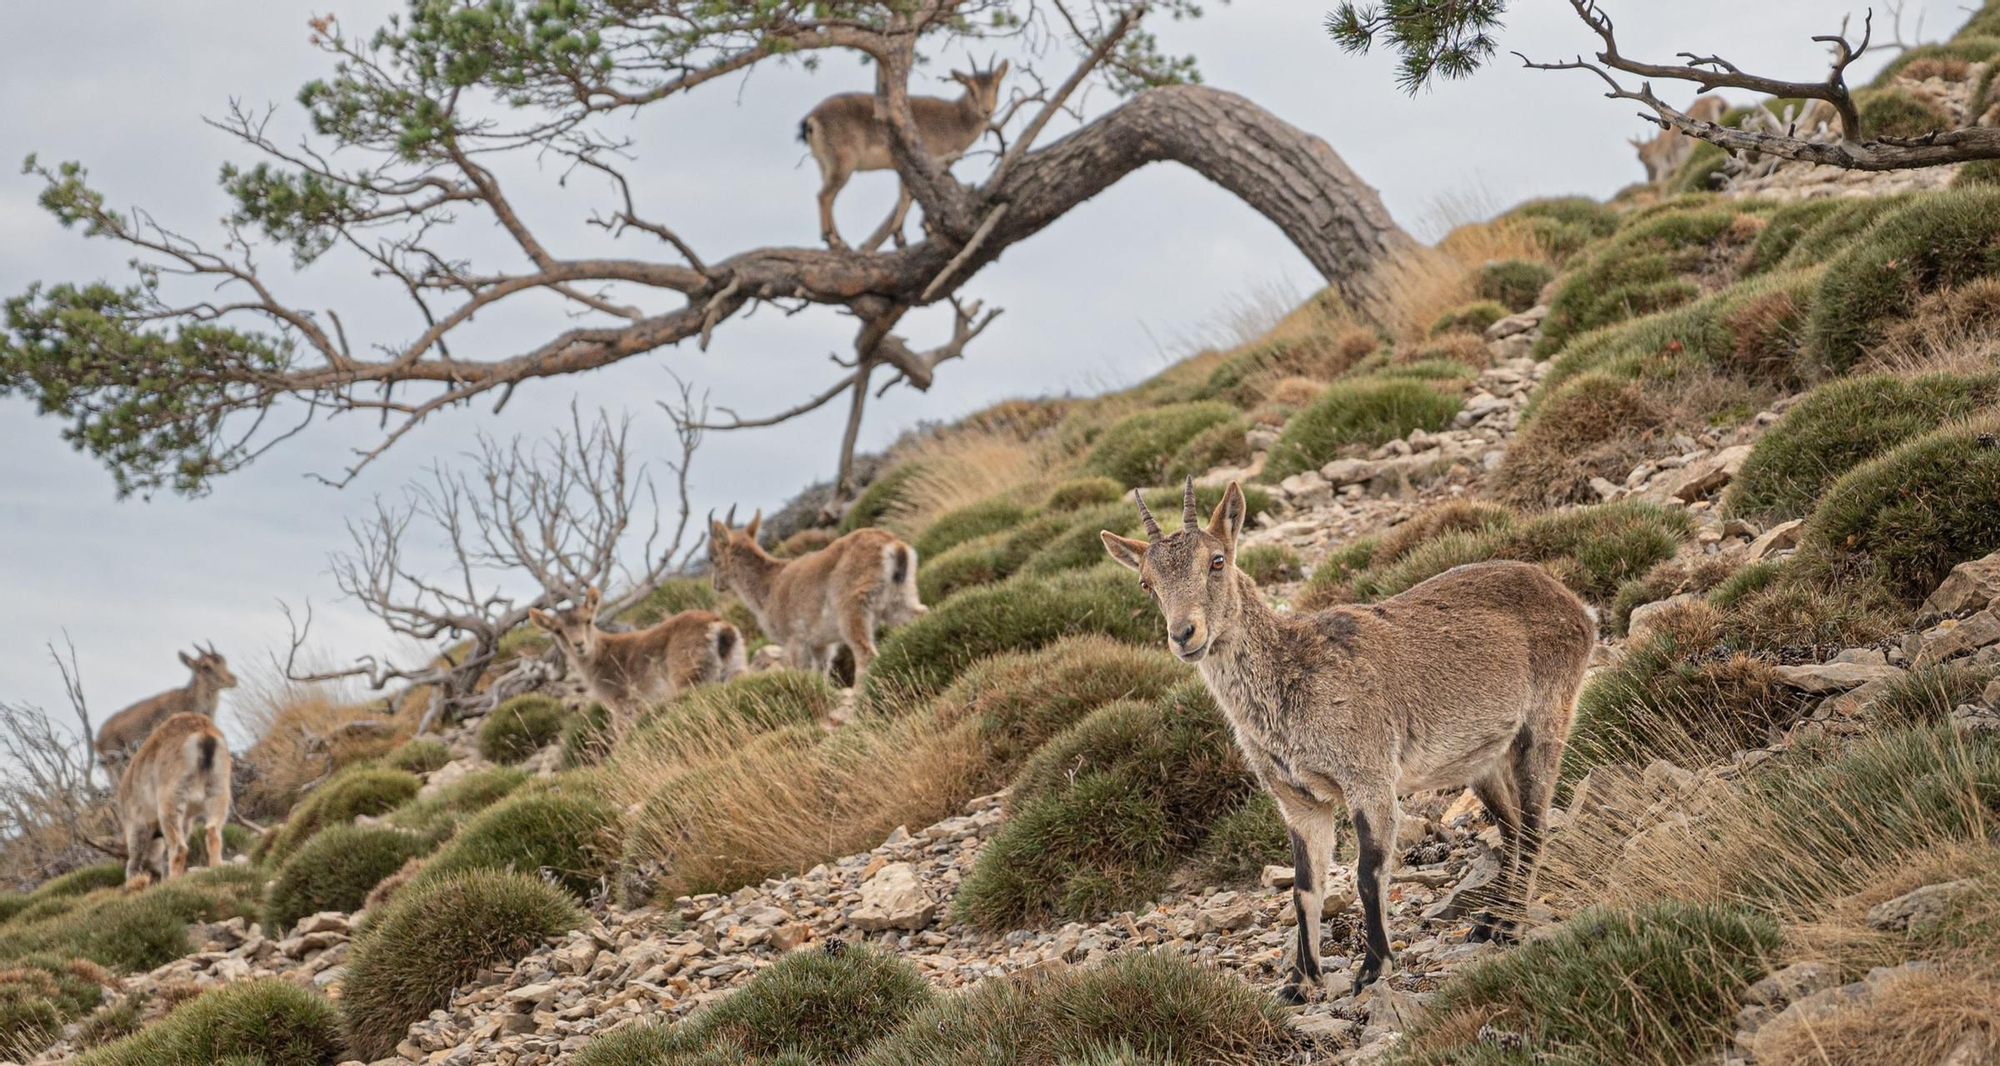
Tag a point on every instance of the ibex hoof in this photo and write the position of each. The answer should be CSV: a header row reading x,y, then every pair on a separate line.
x,y
1488,927
1371,971
1293,995
836,243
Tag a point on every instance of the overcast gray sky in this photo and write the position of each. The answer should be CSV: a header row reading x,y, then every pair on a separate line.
x,y
1101,299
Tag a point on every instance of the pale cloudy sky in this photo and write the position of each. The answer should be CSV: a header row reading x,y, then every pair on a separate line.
x,y
1101,299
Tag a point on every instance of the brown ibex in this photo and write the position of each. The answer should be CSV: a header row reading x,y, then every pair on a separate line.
x,y
624,671
128,728
842,594
1665,153
179,774
846,135
1469,678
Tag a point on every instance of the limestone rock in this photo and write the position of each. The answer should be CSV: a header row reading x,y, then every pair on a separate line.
x,y
1791,983
1646,615
1778,538
893,899
1956,636
1970,586
1918,908
1824,678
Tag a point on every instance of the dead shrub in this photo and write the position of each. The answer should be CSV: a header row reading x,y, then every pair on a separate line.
x,y
1594,425
1293,392
1912,1015
1955,329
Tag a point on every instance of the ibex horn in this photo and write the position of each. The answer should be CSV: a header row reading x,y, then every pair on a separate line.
x,y
730,518
1152,528
1188,517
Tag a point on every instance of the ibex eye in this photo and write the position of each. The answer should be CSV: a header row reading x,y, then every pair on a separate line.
x,y
1216,563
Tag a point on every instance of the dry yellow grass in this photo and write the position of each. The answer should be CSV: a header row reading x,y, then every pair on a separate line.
x,y
1955,330
1915,1016
285,716
958,468
1422,284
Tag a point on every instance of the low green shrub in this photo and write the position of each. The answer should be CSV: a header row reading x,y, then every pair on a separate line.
x,y
1664,978
1840,425
39,994
1269,564
433,937
674,595
1082,492
1222,444
1515,284
567,834
1787,226
135,932
881,496
334,872
1103,813
349,793
1022,698
1979,172
1156,1005
1242,378
1357,411
1896,113
1591,549
474,792
764,701
1244,841
520,727
1934,242
268,1021
586,737
1594,425
1022,613
1565,225
1135,450
1849,222
1673,577
1078,545
1645,268
825,1005
1470,318
1911,514
418,756
976,562
970,522
81,881
1702,171
1331,582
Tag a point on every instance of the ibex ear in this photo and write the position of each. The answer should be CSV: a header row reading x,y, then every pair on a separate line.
x,y
1000,71
756,520
1126,551
542,619
185,661
591,598
1226,524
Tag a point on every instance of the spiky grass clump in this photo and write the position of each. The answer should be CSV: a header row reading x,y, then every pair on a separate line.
x,y
419,756
1023,613
1908,516
1244,841
1472,318
970,522
347,795
1787,225
1663,978
567,833
39,994
520,727
1896,113
674,595
1566,225
880,498
587,736
1022,699
267,1021
1674,577
1079,493
1357,412
1645,268
135,932
435,936
1840,425
748,705
826,1005
1852,221
1593,549
1927,694
1103,813
1135,450
1935,242
1156,1005
439,811
334,871
976,562
1515,284
1222,444
1242,378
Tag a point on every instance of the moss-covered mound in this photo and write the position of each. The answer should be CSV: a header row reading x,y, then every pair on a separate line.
x,y
334,871
566,833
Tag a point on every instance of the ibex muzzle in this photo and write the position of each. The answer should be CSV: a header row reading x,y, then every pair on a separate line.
x,y
846,135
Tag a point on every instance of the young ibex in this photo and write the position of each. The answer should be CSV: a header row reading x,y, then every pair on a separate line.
x,y
128,728
842,594
179,774
845,136
1665,153
1467,679
624,671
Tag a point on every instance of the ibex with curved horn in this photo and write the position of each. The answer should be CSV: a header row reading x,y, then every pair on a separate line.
x,y
846,135
842,594
129,728
1468,679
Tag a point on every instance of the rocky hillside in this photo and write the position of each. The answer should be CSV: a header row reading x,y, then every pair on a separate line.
x,y
1755,427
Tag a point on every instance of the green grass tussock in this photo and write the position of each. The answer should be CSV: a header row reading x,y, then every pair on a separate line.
x,y
1591,549
1934,242
1515,284
825,1005
974,520
41,993
1082,492
1102,814
1897,113
445,807
1646,267
334,872
1359,411
567,833
419,756
1023,613
1663,978
1268,564
433,937
1136,449
980,561
1593,425
133,933
1244,841
587,736
873,506
346,795
674,595
1222,444
1470,318
1851,221
267,1021
1840,425
520,727
1145,1006
1566,225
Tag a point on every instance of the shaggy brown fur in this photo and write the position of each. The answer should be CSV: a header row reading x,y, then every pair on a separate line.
x,y
624,671
129,728
1468,679
846,136
180,773
842,594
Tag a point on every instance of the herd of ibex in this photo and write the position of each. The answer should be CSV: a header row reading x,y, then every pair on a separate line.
x,y
1467,680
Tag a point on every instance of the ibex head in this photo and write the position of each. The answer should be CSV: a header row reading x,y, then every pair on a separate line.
x,y
1191,572
574,628
983,84
729,549
209,666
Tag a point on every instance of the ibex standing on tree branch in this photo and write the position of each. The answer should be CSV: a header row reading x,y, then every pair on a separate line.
x,y
1469,678
180,773
846,134
624,670
842,594
128,728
